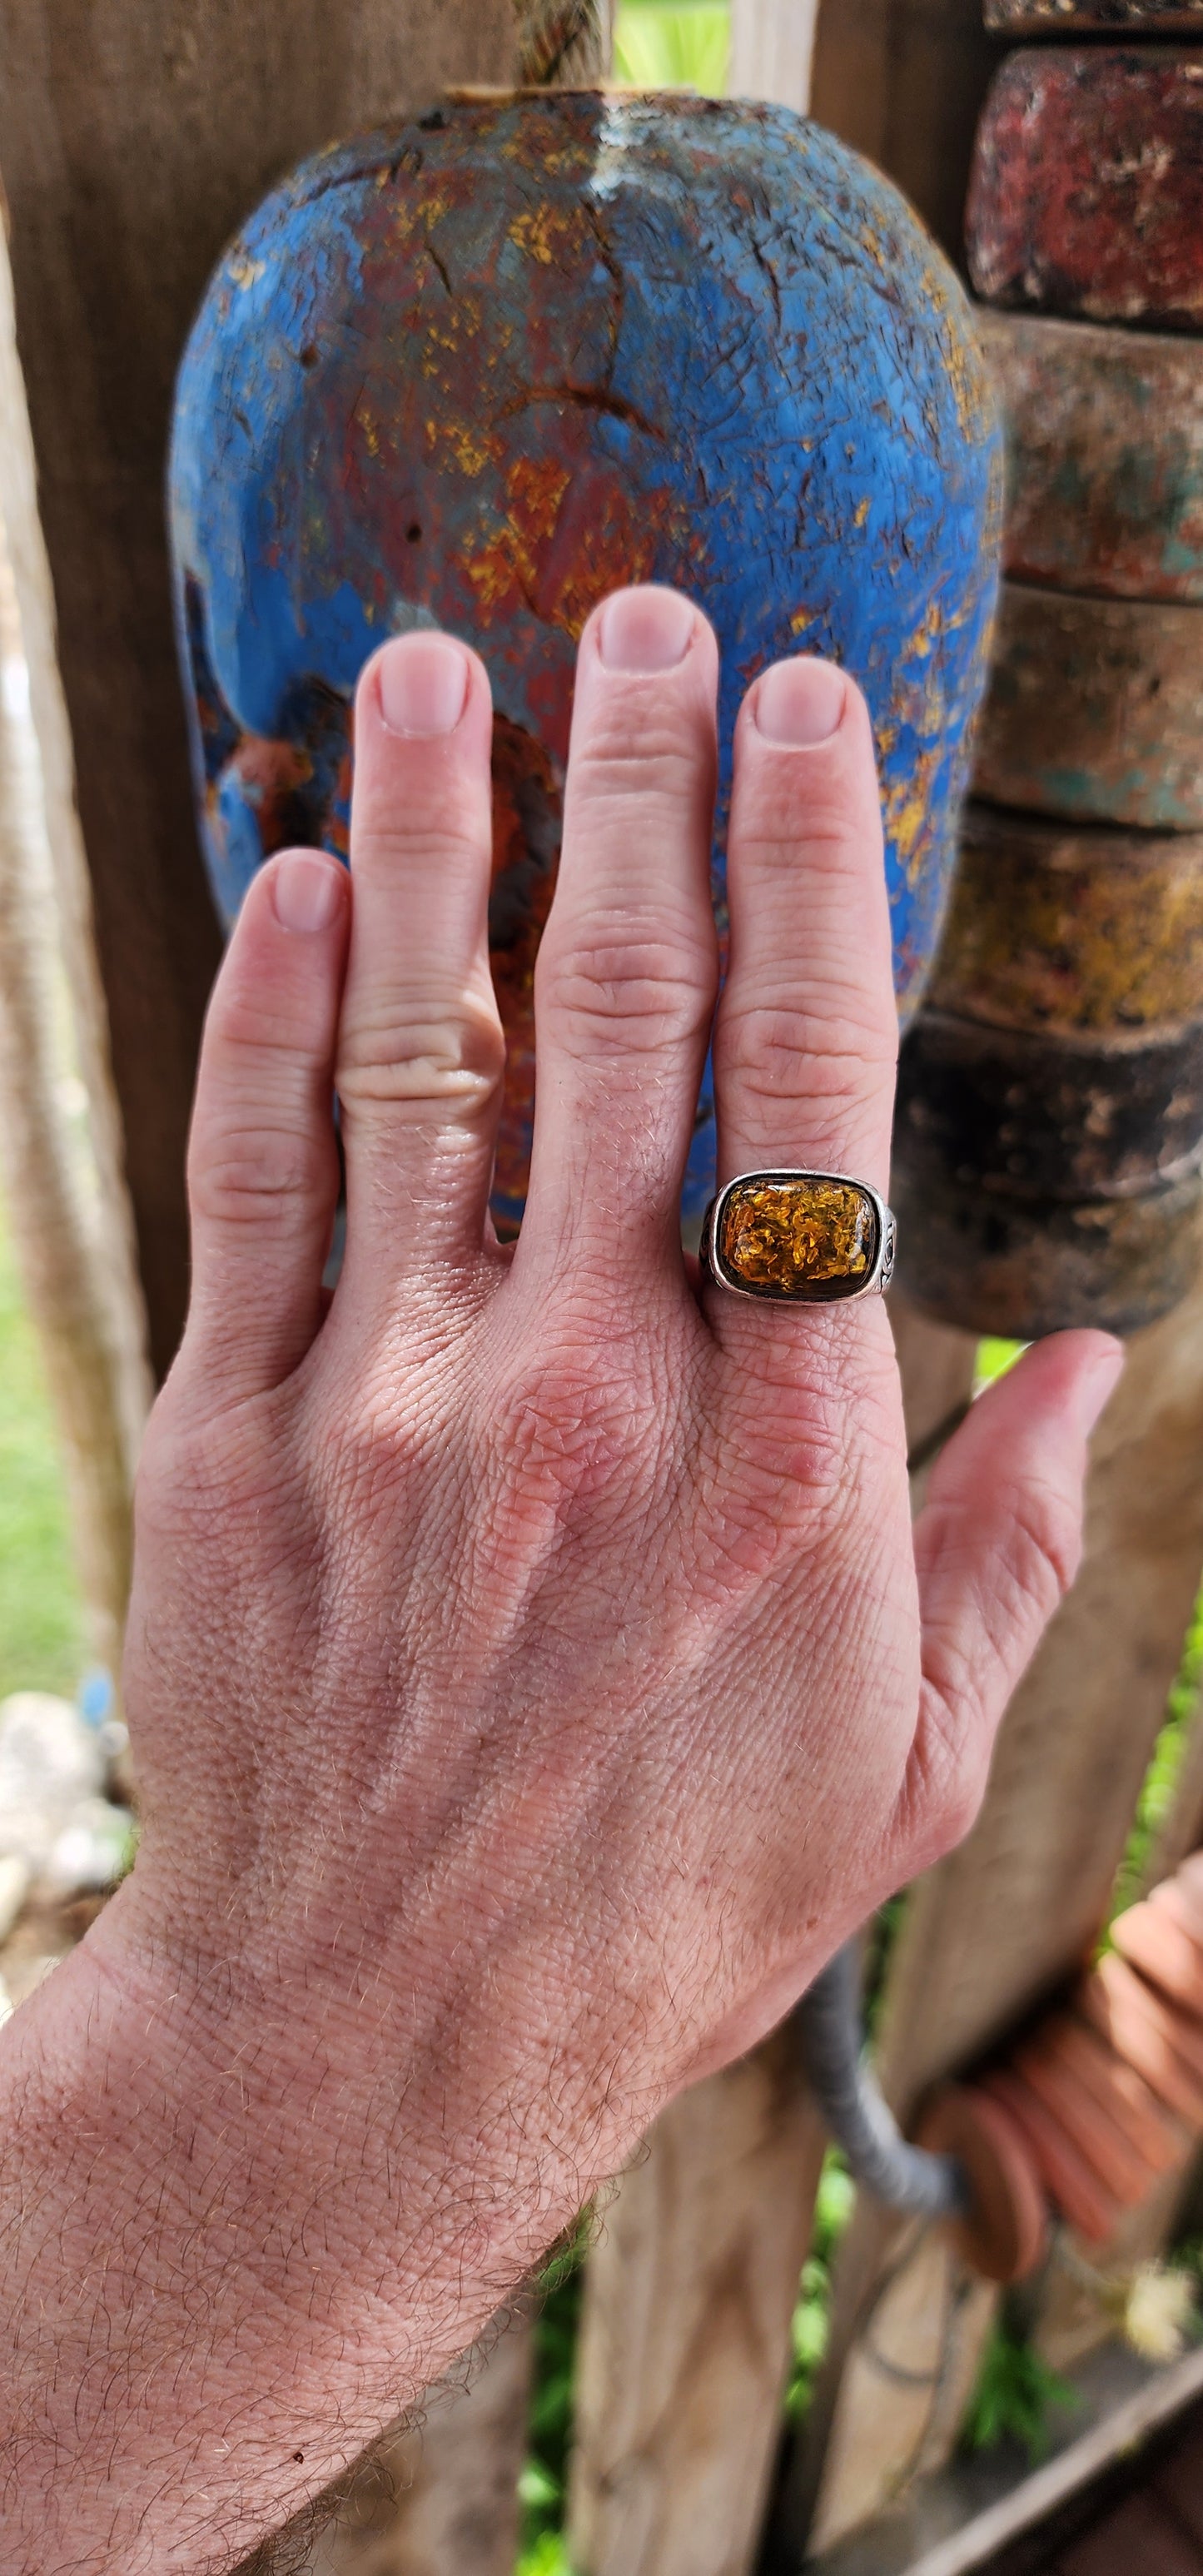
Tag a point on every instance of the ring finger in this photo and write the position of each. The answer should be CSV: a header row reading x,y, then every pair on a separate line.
x,y
807,1034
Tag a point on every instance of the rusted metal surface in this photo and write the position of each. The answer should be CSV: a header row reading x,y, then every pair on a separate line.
x,y
1050,1115
1062,928
1104,433
1038,1115
1095,710
1094,17
1086,196
478,370
1022,1267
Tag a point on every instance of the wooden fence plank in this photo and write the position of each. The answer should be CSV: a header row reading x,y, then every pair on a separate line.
x,y
772,45
59,1248
104,1254
1002,1919
685,2341
134,134
903,80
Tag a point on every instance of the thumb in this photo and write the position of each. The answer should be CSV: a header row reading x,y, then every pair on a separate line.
x,y
996,1546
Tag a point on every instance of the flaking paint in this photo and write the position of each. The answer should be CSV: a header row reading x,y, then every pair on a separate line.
x,y
478,370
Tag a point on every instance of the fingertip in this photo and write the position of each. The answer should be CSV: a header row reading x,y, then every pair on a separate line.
x,y
419,687
798,704
307,890
1100,1366
1076,1370
647,630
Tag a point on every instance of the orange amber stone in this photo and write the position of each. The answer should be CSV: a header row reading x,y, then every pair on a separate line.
x,y
811,1239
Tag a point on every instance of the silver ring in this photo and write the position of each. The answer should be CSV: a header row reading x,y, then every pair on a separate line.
x,y
799,1238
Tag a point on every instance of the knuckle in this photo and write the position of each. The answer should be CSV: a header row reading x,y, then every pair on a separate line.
x,y
417,1049
433,840
233,1176
947,1772
626,979
783,817
1045,1547
563,1433
196,1459
634,754
761,1043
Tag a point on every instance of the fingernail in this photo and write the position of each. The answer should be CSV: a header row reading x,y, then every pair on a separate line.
x,y
306,891
645,630
799,703
1100,1383
423,684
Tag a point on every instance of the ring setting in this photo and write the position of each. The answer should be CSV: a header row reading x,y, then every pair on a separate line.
x,y
795,1238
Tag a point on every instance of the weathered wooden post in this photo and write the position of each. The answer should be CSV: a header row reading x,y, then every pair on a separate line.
x,y
133,136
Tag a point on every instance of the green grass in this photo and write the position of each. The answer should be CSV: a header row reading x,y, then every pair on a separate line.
x,y
673,44
41,1646
1015,2397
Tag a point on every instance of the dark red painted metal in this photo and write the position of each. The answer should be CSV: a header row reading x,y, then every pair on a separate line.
x,y
1094,17
1086,196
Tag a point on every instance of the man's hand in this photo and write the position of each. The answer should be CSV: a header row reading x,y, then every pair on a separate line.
x,y
529,1679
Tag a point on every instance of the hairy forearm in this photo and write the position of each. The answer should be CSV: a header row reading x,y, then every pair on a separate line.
x,y
221,2283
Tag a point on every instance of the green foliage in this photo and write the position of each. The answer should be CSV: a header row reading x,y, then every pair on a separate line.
x,y
40,1628
1161,1778
995,1357
833,2208
1015,2395
546,2556
541,2486
673,44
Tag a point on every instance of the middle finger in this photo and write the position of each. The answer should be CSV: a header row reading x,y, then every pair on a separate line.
x,y
628,966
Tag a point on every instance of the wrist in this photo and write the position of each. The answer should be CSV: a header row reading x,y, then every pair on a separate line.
x,y
202,2186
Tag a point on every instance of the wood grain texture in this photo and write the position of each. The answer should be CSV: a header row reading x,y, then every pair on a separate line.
x,y
998,1923
1104,432
80,1266
772,50
562,41
908,2381
1095,710
1086,195
134,135
685,2341
60,1247
904,81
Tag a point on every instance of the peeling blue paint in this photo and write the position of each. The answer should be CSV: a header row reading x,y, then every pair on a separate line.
x,y
480,369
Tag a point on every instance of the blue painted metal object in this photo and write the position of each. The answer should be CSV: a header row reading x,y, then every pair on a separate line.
x,y
477,370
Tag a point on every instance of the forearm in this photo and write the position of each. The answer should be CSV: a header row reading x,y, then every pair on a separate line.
x,y
217,2292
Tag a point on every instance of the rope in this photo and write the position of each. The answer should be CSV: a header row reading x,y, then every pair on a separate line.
x,y
562,42
829,2026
